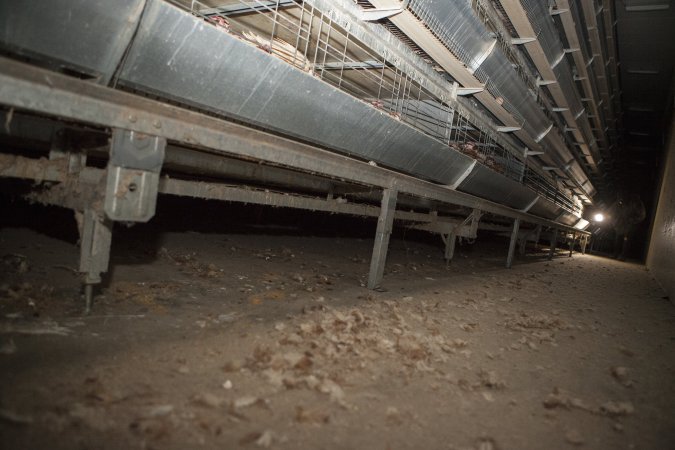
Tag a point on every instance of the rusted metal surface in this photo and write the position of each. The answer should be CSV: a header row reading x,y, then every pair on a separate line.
x,y
14,166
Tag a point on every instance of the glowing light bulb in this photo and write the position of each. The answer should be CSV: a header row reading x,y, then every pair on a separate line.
x,y
598,217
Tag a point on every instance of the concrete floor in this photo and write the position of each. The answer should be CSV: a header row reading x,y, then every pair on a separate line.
x,y
206,340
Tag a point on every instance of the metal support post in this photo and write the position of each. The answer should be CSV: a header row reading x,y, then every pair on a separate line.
x,y
572,239
537,237
94,251
554,242
584,243
532,234
523,244
450,242
512,243
61,149
132,184
384,227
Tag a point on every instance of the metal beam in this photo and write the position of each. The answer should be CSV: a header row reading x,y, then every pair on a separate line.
x,y
41,91
554,242
450,241
590,16
14,167
512,243
94,251
381,244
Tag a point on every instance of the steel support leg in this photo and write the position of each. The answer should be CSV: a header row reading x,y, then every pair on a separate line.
x,y
450,242
94,251
384,227
554,242
584,243
512,244
574,235
537,237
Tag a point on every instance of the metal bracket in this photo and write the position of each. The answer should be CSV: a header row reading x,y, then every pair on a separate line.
x,y
541,82
557,11
373,15
522,40
133,176
506,129
558,60
469,90
543,134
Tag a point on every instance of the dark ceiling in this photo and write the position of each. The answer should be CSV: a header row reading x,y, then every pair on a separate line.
x,y
645,32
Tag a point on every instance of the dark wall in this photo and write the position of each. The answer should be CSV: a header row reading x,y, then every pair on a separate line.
x,y
661,256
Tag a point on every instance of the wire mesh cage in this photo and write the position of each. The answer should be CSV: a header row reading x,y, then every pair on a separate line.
x,y
312,41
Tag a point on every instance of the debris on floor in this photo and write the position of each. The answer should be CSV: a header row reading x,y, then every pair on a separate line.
x,y
276,345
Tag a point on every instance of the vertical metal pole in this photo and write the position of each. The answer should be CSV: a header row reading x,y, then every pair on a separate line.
x,y
574,235
384,226
512,244
94,251
584,243
554,242
536,238
450,246
523,244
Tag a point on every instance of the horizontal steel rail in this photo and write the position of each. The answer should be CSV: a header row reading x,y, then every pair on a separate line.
x,y
44,92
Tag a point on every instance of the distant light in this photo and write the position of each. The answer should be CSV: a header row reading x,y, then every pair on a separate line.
x,y
598,217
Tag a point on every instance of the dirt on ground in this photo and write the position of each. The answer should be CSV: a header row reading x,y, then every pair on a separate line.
x,y
208,341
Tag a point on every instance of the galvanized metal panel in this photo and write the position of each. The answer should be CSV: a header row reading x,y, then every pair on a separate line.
x,y
179,56
567,218
545,208
485,183
89,36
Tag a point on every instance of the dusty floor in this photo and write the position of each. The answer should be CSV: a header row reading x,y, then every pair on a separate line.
x,y
227,341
